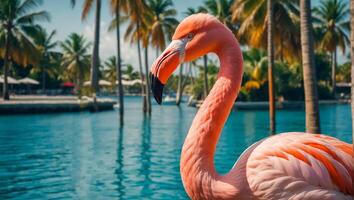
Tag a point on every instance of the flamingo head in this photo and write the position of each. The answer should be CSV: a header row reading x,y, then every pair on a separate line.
x,y
195,36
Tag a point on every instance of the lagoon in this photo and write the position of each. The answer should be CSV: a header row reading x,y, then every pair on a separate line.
x,y
87,156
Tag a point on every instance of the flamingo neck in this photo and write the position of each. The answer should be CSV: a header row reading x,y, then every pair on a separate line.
x,y
199,176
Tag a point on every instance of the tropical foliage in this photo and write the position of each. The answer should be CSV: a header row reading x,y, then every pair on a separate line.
x,y
332,29
75,60
17,22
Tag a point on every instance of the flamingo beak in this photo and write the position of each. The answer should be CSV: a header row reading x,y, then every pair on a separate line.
x,y
165,65
157,88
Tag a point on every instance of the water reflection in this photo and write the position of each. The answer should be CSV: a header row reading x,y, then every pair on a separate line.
x,y
120,163
146,156
89,156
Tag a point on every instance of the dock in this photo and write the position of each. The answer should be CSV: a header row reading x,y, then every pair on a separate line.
x,y
53,104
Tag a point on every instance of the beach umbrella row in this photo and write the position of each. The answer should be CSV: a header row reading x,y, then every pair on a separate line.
x,y
130,82
100,83
26,81
107,83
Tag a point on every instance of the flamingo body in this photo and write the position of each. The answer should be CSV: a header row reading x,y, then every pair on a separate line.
x,y
301,166
284,166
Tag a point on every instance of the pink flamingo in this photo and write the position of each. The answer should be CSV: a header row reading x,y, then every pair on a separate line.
x,y
284,166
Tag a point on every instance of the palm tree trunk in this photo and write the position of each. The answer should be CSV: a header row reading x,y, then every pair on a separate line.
x,y
120,91
309,70
179,87
95,53
281,49
206,87
352,59
43,80
334,67
270,67
5,89
141,68
191,72
147,85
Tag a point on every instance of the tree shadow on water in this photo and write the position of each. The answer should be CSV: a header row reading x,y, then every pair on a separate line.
x,y
145,157
120,163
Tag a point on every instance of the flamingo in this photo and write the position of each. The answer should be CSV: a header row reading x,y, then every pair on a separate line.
x,y
285,166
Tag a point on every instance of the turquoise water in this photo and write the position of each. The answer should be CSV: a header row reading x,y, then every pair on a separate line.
x,y
87,156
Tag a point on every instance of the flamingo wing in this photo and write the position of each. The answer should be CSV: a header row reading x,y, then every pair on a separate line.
x,y
301,166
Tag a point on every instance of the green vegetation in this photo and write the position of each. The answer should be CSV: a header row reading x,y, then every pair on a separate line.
x,y
75,60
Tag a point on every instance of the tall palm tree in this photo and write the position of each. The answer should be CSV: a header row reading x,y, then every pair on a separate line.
x,y
270,48
16,23
76,59
333,25
95,62
352,59
137,11
145,34
309,70
46,46
251,15
117,6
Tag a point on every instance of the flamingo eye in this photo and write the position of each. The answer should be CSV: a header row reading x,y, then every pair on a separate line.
x,y
190,36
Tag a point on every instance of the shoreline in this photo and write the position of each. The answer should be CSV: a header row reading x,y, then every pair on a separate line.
x,y
264,105
53,104
32,104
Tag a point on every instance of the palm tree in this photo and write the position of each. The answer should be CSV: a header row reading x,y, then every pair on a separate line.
x,y
270,48
145,39
352,60
117,5
221,10
75,59
16,23
95,62
136,12
333,26
110,69
192,11
164,22
251,15
308,62
46,46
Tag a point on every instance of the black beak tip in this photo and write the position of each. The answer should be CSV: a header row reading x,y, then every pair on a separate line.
x,y
157,88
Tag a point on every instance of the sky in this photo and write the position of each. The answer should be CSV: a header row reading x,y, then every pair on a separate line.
x,y
65,20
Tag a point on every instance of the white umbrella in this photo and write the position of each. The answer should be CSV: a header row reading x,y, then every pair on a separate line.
x,y
130,82
104,83
125,76
100,83
10,80
28,81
